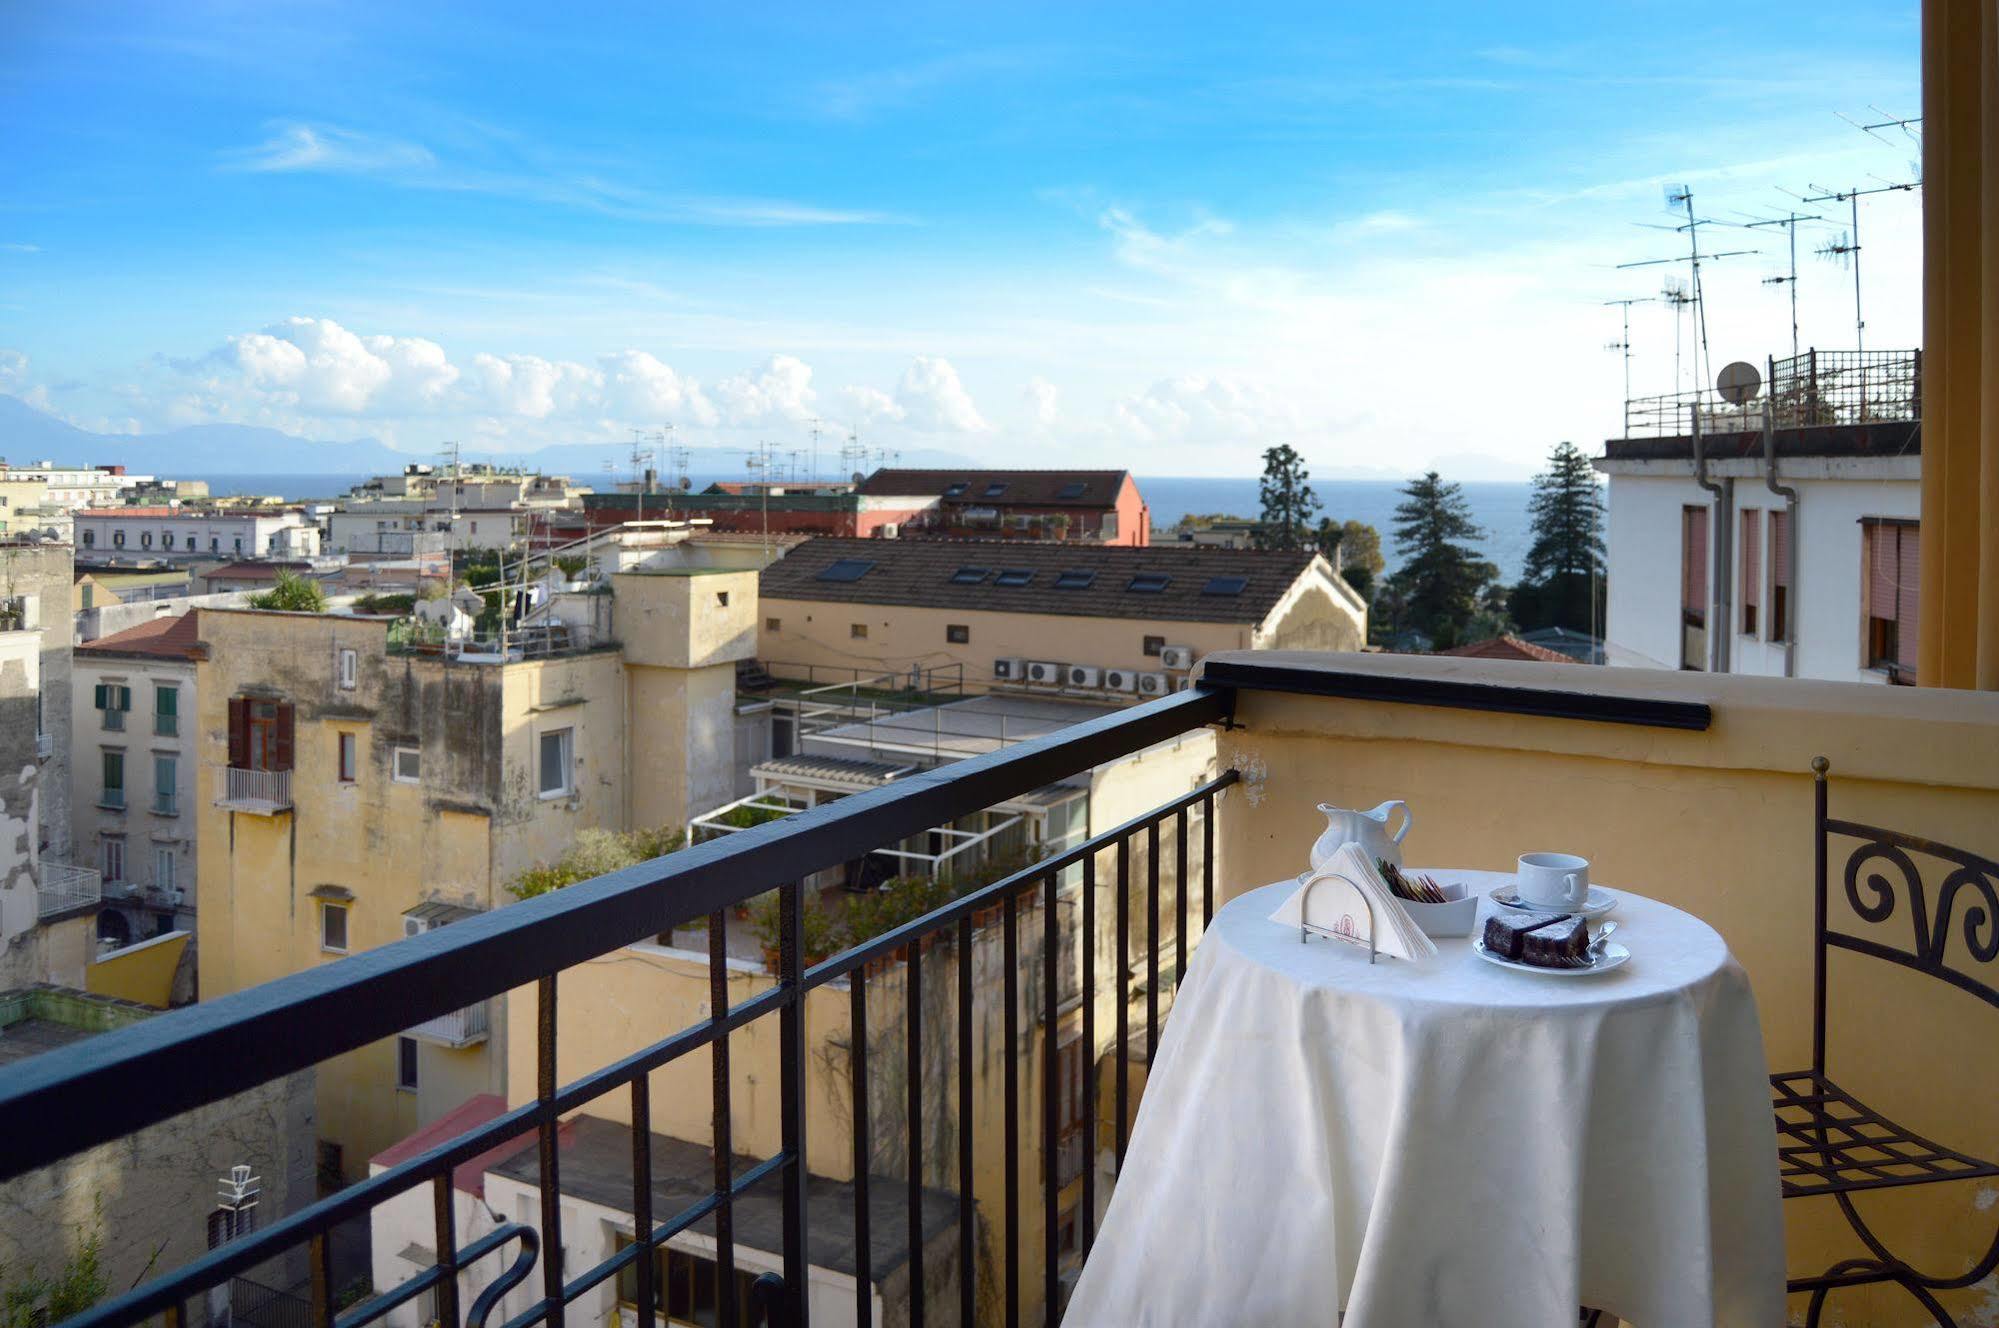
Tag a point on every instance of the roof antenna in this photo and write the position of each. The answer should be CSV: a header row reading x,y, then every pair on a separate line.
x,y
1624,344
1789,221
1680,199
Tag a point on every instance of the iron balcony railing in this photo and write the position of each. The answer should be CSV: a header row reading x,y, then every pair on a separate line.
x,y
63,887
68,1099
455,1028
253,790
1816,389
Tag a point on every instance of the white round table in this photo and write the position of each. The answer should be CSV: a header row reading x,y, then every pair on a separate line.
x,y
1448,1142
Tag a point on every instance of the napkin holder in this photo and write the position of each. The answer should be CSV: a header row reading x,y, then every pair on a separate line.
x,y
1344,930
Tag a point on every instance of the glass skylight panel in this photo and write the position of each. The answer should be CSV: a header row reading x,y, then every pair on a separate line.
x,y
968,576
994,490
847,569
955,490
1013,576
1075,579
1073,489
1149,583
1225,585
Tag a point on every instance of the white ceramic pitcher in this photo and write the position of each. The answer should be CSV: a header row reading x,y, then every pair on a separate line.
x,y
1368,829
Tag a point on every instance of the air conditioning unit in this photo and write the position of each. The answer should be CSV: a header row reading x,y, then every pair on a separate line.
x,y
888,529
1009,670
1041,671
1176,657
1183,685
1152,684
1121,680
1082,675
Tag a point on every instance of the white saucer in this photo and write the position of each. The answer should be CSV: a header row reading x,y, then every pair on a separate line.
x,y
1598,902
1612,956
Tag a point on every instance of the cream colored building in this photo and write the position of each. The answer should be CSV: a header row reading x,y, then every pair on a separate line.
x,y
1090,621
358,788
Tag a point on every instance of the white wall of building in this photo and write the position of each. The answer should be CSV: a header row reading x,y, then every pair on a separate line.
x,y
1834,495
140,533
157,841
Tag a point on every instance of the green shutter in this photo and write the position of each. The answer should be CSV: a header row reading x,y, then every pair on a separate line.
x,y
167,700
102,695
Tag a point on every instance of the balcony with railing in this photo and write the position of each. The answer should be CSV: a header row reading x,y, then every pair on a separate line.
x,y
464,1027
259,792
925,1126
64,888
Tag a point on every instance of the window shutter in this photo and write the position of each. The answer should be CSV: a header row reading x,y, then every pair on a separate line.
x,y
1693,562
282,743
1881,570
239,732
125,698
1752,559
1780,548
102,695
1909,582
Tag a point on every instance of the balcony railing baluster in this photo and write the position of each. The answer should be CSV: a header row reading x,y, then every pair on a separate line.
x,y
864,1291
796,1309
967,1232
1051,1179
1151,941
642,1270
1087,942
445,1227
1010,981
1123,994
549,1173
914,1002
1180,897
725,1165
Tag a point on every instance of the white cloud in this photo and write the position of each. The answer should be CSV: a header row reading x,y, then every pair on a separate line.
x,y
306,147
1193,408
1043,402
637,383
780,391
13,367
934,401
870,404
19,247
530,386
316,365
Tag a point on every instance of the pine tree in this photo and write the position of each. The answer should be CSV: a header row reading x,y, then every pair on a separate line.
x,y
1288,501
1562,569
1441,575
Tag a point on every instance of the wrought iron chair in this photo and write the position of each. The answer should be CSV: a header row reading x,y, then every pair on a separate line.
x,y
1828,1141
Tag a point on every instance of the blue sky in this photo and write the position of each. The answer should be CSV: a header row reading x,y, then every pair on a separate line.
x,y
1161,237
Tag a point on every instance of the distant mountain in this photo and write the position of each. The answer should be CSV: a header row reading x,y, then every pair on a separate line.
x,y
28,434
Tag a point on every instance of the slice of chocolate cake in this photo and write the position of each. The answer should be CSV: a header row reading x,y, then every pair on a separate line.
x,y
1506,929
1560,944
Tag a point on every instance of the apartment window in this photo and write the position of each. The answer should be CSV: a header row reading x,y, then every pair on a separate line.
x,y
1693,587
722,599
239,544
558,750
1750,551
333,927
164,870
260,734
111,857
145,539
214,544
114,780
957,634
1891,578
1153,645
349,760
1780,576
166,784
688,1287
858,631
117,539
114,699
166,710
773,624
349,668
89,539
406,1064
408,766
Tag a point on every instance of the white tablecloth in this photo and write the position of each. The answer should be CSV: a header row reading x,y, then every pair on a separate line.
x,y
1448,1143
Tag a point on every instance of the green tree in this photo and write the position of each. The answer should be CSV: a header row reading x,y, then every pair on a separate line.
x,y
1359,546
292,594
1442,576
593,853
28,1299
1561,585
1288,501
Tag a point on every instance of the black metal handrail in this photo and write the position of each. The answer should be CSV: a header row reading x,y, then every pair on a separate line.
x,y
72,1098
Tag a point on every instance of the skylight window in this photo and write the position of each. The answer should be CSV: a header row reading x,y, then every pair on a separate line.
x,y
994,490
1013,576
1225,585
1075,579
956,490
968,576
1073,489
1149,583
848,569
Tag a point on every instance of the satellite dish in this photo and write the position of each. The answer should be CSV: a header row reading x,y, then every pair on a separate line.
x,y
858,477
1739,383
686,483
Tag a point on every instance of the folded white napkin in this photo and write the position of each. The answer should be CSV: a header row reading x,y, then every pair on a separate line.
x,y
1333,895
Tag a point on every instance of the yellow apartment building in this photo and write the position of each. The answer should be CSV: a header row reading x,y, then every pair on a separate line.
x,y
364,786
1101,622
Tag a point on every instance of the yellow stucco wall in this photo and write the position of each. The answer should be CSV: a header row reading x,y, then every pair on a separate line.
x,y
684,619
686,763
142,972
1718,823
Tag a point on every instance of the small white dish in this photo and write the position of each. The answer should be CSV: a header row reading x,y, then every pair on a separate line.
x,y
1599,902
1454,917
1611,956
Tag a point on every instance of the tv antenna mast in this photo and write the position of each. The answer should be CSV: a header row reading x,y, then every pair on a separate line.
x,y
644,456
1844,248
758,464
1680,198
1623,345
1789,221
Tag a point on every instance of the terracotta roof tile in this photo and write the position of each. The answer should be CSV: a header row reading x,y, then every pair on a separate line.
x,y
172,637
1508,646
1038,488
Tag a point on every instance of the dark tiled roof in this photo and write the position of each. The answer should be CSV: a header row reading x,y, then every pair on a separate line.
x,y
596,1166
1508,647
920,573
173,637
1037,488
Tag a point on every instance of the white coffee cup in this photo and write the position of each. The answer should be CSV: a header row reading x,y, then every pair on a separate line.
x,y
1553,880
